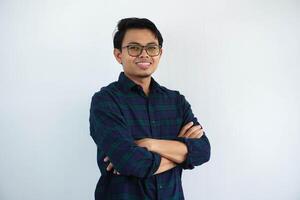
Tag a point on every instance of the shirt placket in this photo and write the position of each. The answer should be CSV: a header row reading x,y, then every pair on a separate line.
x,y
155,133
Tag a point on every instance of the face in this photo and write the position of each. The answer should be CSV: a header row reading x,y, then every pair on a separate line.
x,y
143,65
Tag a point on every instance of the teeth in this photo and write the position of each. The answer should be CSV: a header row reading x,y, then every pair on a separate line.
x,y
143,64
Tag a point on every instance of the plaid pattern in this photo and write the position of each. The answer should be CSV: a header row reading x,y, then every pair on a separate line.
x,y
121,113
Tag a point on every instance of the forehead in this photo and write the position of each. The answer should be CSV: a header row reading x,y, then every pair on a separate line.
x,y
141,36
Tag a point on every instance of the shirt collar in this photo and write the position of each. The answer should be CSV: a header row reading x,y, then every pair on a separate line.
x,y
127,84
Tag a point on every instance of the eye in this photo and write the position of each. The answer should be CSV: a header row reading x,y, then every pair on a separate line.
x,y
152,48
134,48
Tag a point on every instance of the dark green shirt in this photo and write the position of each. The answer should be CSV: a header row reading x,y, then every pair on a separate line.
x,y
121,113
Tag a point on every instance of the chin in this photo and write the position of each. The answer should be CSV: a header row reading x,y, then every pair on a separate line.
x,y
143,75
140,73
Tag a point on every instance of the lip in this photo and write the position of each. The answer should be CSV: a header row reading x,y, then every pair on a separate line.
x,y
143,64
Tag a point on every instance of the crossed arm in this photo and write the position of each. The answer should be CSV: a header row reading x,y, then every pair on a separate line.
x,y
146,157
172,152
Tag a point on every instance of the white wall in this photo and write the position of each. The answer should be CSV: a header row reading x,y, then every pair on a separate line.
x,y
237,62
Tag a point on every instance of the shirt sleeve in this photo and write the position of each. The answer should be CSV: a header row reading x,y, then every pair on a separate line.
x,y
110,132
198,148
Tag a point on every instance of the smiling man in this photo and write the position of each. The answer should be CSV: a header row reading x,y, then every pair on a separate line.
x,y
145,133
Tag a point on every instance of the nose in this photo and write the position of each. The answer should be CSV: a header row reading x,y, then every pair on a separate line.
x,y
144,53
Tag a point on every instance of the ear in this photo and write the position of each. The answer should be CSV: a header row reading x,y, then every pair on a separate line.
x,y
118,55
161,51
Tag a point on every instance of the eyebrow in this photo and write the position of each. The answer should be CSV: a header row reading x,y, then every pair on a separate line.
x,y
141,44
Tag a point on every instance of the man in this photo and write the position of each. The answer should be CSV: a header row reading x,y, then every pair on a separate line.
x,y
145,133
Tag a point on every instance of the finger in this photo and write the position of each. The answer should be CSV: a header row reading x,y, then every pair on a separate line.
x,y
200,135
109,167
185,128
106,159
191,130
194,134
116,172
197,134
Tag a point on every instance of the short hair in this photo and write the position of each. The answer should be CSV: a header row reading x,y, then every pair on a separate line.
x,y
134,23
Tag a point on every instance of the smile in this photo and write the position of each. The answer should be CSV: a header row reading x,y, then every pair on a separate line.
x,y
143,65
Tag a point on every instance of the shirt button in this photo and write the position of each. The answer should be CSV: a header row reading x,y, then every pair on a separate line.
x,y
153,121
160,187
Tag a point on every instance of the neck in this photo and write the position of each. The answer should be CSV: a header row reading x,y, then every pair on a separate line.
x,y
144,82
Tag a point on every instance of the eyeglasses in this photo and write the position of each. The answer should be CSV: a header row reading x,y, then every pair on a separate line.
x,y
136,49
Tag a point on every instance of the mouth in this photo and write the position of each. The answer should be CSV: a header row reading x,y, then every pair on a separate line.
x,y
143,65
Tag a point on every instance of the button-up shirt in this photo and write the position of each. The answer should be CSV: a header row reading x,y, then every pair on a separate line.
x,y
121,113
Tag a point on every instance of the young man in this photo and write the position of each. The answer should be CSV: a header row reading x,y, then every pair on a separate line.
x,y
145,133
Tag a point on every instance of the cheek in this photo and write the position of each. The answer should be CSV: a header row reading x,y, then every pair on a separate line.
x,y
155,61
128,60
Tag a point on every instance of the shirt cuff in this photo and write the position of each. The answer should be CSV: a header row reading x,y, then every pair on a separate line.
x,y
156,163
187,163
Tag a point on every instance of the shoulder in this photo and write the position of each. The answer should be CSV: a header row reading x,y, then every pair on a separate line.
x,y
174,94
107,92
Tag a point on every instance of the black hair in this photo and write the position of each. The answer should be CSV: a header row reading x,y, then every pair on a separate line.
x,y
132,23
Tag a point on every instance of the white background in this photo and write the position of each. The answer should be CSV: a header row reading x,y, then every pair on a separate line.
x,y
237,63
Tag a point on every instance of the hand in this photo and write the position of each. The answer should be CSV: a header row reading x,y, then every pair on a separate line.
x,y
190,131
145,142
110,166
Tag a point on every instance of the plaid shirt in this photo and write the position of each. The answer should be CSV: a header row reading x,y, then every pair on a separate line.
x,y
121,113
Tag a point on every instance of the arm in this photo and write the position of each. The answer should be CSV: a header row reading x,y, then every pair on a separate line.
x,y
198,148
191,148
165,165
110,132
173,150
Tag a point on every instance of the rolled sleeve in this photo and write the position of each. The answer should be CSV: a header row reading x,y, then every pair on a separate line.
x,y
110,132
198,151
198,148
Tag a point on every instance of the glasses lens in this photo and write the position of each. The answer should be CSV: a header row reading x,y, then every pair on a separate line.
x,y
152,50
134,50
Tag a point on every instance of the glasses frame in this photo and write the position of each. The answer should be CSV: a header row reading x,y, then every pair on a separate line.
x,y
143,47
